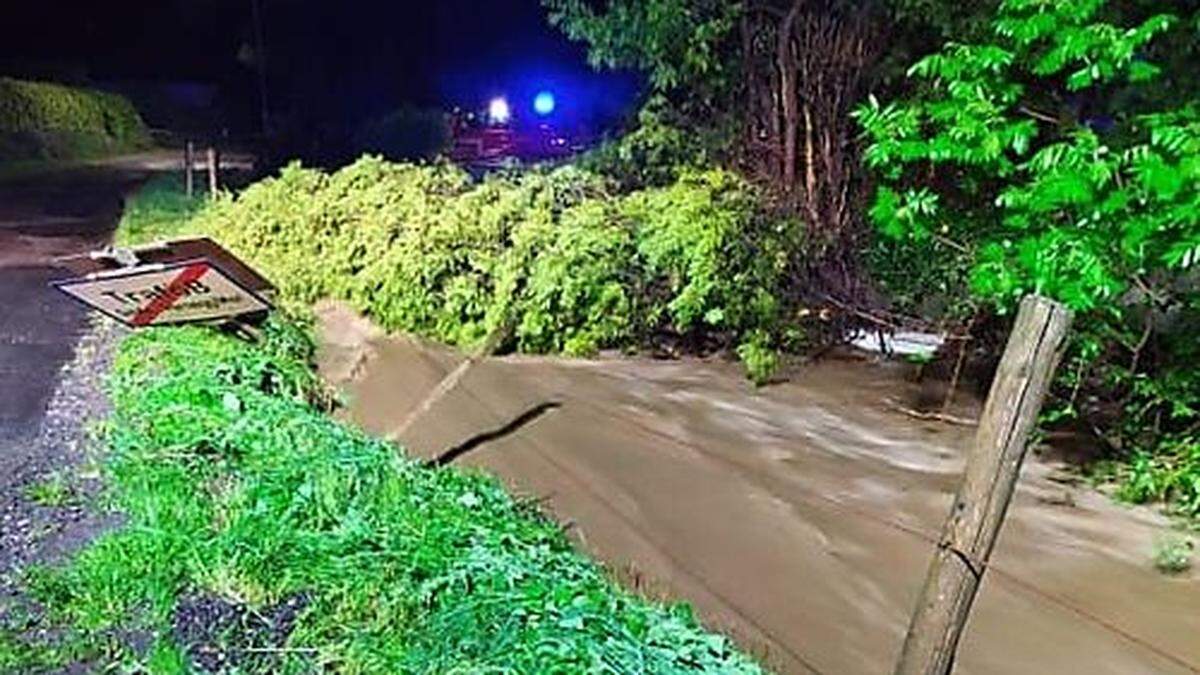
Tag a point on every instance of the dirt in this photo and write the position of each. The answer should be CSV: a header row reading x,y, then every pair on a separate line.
x,y
224,636
798,518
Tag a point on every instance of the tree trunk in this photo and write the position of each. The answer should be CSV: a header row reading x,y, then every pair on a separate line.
x,y
786,62
810,173
806,65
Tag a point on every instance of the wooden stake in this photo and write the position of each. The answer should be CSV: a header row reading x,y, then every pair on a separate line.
x,y
189,167
213,168
1034,349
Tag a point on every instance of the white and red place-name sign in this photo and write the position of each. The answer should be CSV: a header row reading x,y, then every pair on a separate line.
x,y
153,294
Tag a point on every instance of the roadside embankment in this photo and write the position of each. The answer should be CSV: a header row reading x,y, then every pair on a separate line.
x,y
262,535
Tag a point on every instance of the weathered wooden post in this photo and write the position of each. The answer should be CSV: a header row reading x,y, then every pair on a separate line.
x,y
1034,348
213,168
189,167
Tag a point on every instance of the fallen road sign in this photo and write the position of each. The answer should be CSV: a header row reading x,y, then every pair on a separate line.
x,y
182,291
165,253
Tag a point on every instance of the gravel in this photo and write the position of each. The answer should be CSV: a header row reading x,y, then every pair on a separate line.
x,y
49,495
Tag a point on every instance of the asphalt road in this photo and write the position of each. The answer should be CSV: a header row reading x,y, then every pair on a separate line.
x,y
53,359
43,217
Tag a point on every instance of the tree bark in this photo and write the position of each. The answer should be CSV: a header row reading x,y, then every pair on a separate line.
x,y
788,88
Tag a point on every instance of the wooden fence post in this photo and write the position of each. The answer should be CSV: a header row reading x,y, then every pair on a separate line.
x,y
1034,348
213,168
189,166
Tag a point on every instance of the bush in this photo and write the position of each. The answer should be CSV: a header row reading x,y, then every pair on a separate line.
x,y
40,120
1171,474
239,493
575,266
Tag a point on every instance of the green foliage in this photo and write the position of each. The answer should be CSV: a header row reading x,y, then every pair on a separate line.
x,y
576,299
760,359
1057,209
1100,211
1171,473
19,654
574,264
716,266
55,490
1173,555
40,120
405,134
235,487
676,42
157,211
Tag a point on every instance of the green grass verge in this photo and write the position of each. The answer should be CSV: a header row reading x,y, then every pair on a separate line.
x,y
237,488
159,210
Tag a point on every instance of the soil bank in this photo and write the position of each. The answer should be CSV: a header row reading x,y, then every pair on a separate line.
x,y
798,518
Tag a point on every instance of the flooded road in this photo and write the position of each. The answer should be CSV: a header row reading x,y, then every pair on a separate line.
x,y
798,518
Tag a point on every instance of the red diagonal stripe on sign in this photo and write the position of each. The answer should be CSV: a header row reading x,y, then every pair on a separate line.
x,y
173,292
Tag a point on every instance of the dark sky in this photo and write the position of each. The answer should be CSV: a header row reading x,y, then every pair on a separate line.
x,y
357,56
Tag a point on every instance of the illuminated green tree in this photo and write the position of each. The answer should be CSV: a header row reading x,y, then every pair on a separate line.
x,y
1050,155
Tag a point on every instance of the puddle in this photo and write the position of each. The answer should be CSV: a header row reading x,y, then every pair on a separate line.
x,y
799,518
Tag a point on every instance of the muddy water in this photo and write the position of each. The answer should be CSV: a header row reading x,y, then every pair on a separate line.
x,y
798,518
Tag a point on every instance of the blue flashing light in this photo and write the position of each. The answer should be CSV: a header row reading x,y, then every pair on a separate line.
x,y
543,103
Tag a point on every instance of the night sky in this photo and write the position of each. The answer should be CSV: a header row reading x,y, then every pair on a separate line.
x,y
332,59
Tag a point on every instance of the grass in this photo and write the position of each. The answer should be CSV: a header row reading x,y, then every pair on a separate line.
x,y
55,490
157,211
239,491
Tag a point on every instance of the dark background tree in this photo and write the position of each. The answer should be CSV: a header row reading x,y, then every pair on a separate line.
x,y
329,68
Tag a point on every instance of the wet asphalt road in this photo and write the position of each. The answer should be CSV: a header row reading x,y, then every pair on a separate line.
x,y
43,217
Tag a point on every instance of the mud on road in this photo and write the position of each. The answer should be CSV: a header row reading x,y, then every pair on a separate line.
x,y
799,518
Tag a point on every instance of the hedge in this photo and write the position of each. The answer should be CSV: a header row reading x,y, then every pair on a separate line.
x,y
41,120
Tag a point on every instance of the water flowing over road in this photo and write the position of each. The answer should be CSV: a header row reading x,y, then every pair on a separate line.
x,y
798,518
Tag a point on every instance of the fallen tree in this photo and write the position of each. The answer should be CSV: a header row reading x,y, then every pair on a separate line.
x,y
573,262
